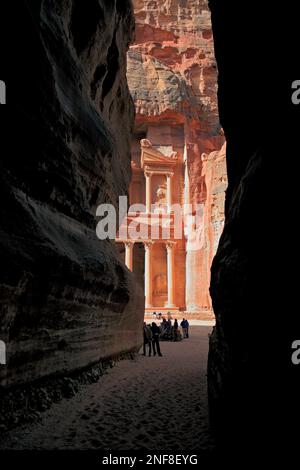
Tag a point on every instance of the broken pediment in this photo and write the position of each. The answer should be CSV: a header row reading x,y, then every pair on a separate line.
x,y
153,158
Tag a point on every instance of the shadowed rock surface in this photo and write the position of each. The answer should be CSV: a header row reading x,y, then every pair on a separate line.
x,y
253,385
66,300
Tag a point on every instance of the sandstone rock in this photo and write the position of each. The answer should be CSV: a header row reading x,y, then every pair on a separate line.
x,y
155,88
178,34
66,299
172,77
209,189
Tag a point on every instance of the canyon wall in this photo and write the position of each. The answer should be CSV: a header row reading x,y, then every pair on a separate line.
x,y
253,385
172,77
66,300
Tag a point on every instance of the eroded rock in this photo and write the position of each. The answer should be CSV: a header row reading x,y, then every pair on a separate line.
x,y
66,299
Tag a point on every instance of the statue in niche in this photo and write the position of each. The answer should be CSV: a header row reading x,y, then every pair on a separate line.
x,y
161,196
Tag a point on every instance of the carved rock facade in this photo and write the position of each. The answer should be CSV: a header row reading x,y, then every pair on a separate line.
x,y
172,78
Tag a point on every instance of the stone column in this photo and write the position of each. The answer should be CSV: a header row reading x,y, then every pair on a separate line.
x,y
170,265
129,255
169,191
148,192
148,275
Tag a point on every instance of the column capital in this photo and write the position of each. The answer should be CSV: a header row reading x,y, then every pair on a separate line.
x,y
148,244
129,243
170,245
148,173
169,174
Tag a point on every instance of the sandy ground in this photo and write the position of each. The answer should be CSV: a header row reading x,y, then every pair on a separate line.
x,y
151,403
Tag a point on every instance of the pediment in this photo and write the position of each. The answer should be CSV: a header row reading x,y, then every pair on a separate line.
x,y
153,157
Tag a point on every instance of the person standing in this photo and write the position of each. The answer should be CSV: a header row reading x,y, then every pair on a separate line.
x,y
183,326
187,326
147,338
163,328
175,330
155,339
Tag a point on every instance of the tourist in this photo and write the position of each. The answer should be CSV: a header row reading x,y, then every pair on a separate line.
x,y
155,339
184,329
163,326
165,330
187,326
147,338
175,329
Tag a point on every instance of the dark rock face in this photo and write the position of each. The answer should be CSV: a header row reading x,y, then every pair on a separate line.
x,y
66,301
253,385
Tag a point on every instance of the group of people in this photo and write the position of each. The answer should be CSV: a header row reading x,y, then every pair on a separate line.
x,y
166,331
151,339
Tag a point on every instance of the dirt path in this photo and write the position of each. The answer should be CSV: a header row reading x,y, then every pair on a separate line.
x,y
152,403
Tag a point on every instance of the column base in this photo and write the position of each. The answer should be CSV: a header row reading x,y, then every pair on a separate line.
x,y
170,305
164,310
195,308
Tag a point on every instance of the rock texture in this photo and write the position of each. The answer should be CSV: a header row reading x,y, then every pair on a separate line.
x,y
174,45
253,386
66,301
172,77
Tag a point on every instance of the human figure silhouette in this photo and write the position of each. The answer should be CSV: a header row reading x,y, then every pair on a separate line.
x,y
155,339
147,338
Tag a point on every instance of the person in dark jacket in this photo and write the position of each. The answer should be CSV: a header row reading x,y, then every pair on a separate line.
x,y
187,326
184,329
147,338
175,330
155,339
